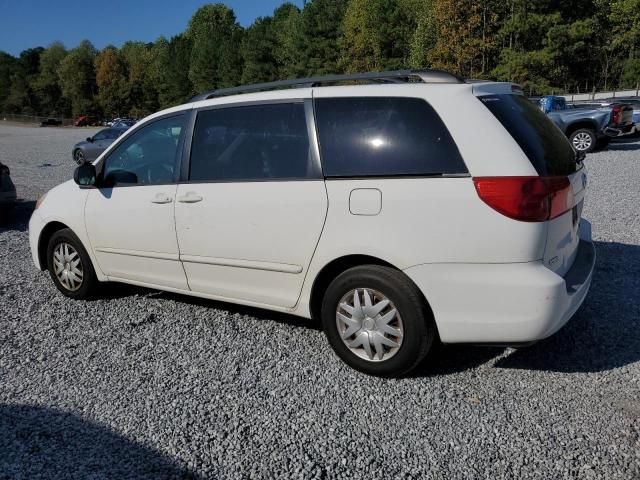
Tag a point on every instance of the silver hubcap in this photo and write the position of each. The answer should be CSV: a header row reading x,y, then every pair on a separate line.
x,y
67,266
369,324
582,141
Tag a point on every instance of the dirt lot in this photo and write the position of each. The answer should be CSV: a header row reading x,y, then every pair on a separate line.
x,y
142,384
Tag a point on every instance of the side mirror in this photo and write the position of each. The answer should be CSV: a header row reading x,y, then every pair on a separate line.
x,y
119,177
90,139
85,175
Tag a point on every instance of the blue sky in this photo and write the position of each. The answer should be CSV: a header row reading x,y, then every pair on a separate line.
x,y
32,23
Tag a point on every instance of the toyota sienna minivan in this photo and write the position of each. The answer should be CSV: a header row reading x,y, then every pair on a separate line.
x,y
363,200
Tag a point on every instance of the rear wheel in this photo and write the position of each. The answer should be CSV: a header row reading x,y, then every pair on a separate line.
x,y
583,140
376,321
69,265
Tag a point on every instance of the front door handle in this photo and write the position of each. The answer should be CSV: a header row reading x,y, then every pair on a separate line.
x,y
161,198
190,197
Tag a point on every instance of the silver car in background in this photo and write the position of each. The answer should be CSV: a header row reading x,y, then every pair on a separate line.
x,y
89,149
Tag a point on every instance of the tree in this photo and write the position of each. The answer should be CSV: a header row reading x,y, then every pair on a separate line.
x,y
111,81
215,59
18,98
77,78
625,39
47,83
285,29
8,67
141,93
318,39
259,63
171,70
465,35
425,35
376,35
361,43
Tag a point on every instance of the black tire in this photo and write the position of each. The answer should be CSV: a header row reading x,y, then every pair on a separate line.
x,y
88,283
417,320
586,146
79,157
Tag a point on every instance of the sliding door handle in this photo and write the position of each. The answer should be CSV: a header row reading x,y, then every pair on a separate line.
x,y
190,197
161,198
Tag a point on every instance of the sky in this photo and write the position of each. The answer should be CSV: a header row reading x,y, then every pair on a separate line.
x,y
32,23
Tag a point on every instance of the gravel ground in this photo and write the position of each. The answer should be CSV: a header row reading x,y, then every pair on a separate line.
x,y
142,384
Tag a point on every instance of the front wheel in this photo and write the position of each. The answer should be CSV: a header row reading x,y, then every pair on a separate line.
x,y
377,321
69,265
79,157
583,140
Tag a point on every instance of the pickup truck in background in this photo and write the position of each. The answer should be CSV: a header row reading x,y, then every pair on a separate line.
x,y
588,126
633,102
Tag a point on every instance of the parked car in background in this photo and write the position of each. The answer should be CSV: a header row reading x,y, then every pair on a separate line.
x,y
590,127
372,208
51,122
89,149
124,123
7,191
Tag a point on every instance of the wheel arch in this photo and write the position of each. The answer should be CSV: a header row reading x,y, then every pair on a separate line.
x,y
589,124
337,266
43,241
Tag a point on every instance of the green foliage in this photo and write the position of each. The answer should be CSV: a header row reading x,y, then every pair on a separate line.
x,y
257,52
546,46
47,83
215,58
111,80
376,35
318,38
9,66
286,32
78,79
171,70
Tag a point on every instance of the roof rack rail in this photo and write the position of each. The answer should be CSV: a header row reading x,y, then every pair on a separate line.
x,y
394,76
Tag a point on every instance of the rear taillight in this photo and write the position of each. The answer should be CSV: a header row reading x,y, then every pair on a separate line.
x,y
615,114
529,199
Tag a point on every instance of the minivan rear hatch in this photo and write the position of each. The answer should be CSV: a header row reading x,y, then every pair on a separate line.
x,y
553,158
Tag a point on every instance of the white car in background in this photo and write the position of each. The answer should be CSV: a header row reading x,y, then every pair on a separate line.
x,y
372,207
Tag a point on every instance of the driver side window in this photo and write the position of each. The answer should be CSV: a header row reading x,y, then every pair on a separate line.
x,y
148,157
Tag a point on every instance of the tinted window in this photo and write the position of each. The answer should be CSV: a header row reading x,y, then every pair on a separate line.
x,y
113,133
251,143
384,136
147,157
101,135
546,146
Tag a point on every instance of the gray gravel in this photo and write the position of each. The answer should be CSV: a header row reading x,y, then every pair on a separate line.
x,y
142,384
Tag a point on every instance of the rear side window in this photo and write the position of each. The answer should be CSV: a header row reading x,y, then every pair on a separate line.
x,y
251,143
384,136
543,143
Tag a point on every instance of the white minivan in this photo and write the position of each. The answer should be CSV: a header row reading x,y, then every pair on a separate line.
x,y
373,207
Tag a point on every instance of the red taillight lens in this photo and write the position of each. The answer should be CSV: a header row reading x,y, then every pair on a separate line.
x,y
529,199
615,114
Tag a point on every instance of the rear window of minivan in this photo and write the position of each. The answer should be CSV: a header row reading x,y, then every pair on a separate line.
x,y
543,143
384,136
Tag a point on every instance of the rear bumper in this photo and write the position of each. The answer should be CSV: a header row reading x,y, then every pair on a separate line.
x,y
618,130
504,303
